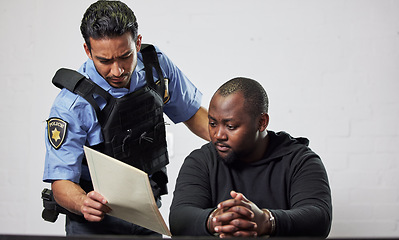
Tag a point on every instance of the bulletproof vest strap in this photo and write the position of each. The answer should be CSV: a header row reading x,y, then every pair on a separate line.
x,y
150,60
79,84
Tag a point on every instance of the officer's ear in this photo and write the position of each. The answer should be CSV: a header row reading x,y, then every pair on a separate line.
x,y
138,43
263,122
87,50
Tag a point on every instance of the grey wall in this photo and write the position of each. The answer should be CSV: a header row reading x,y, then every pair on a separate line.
x,y
330,67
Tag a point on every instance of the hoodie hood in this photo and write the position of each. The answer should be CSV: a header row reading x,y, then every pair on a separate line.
x,y
282,144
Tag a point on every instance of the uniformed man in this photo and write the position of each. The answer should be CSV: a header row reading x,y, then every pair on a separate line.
x,y
118,111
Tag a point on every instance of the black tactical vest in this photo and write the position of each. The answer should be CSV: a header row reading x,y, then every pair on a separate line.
x,y
133,126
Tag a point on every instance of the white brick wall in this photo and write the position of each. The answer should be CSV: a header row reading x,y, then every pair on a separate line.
x,y
331,70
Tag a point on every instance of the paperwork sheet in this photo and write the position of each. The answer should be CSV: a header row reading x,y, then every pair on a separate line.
x,y
127,190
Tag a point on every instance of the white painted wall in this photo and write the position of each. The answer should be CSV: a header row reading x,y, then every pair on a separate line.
x,y
330,67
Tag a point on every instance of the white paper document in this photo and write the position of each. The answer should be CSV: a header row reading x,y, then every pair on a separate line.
x,y
127,190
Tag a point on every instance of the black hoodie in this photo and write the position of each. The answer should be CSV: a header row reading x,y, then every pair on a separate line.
x,y
290,181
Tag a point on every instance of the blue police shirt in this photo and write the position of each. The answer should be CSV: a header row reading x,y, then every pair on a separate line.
x,y
83,128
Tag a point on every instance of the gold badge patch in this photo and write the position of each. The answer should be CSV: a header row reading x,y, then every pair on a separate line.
x,y
56,131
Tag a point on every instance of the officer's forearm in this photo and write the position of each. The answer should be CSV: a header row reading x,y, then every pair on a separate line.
x,y
69,195
198,124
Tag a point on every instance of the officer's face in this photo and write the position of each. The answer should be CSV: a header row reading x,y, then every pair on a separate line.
x,y
115,58
233,131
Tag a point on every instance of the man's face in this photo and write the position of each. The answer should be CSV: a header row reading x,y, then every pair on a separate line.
x,y
233,131
115,58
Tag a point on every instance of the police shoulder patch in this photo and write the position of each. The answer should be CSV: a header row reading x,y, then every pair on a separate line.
x,y
56,131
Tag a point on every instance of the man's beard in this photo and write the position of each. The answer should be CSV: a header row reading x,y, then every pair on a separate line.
x,y
230,158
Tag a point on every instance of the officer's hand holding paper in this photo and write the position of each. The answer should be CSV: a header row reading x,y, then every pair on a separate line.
x,y
127,190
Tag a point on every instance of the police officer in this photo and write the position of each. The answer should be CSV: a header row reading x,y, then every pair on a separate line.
x,y
120,115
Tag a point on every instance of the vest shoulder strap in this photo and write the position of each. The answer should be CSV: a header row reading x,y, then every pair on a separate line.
x,y
150,60
67,78
79,84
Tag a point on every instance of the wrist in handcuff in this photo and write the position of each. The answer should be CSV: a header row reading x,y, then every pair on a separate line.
x,y
271,220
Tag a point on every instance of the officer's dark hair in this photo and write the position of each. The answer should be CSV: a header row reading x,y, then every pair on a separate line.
x,y
107,19
255,96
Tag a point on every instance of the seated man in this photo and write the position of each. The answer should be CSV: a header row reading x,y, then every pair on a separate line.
x,y
249,181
